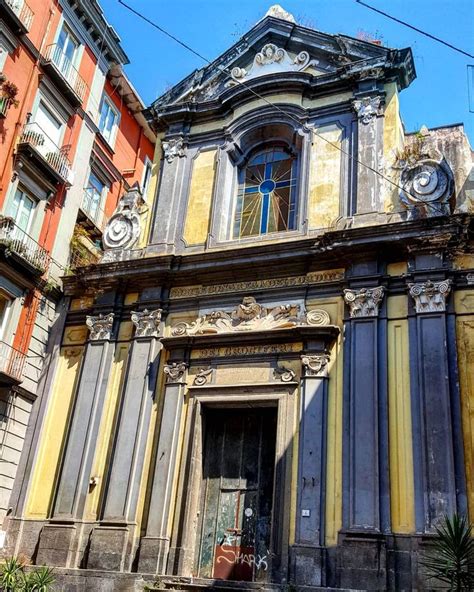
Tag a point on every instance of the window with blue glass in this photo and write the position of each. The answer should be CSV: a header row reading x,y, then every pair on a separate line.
x,y
266,201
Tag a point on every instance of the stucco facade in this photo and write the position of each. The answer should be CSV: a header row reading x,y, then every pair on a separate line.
x,y
267,377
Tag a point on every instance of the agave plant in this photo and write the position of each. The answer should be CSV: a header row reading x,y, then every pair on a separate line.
x,y
11,574
39,580
451,559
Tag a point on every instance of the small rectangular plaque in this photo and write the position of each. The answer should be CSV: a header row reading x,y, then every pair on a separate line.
x,y
305,513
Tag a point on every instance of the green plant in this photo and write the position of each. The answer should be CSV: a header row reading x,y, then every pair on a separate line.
x,y
451,559
11,574
39,580
9,90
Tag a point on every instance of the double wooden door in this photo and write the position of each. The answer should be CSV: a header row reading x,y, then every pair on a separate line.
x,y
238,472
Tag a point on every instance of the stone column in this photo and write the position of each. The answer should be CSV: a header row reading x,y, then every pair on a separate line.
x,y
366,504
434,401
369,152
155,545
307,551
111,542
58,538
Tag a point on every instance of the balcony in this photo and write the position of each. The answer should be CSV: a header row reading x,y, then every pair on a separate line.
x,y
47,154
19,14
4,106
60,68
21,247
12,362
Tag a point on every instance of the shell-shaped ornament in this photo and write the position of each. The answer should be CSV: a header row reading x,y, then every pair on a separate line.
x,y
122,231
427,181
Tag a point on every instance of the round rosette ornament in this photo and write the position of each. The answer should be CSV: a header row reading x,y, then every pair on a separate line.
x,y
427,182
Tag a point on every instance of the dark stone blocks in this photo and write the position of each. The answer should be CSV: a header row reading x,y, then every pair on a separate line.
x,y
56,545
108,546
307,565
362,561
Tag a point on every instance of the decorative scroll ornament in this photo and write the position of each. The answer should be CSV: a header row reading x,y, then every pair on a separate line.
x,y
173,148
315,365
147,324
276,11
427,187
284,374
364,302
175,371
366,108
430,296
202,376
100,326
272,59
250,316
123,228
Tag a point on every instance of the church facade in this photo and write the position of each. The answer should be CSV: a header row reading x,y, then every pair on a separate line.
x,y
268,377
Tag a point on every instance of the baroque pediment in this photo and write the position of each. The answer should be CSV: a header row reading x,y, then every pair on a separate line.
x,y
251,316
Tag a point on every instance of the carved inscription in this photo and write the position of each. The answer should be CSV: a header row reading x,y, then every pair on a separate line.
x,y
245,350
316,277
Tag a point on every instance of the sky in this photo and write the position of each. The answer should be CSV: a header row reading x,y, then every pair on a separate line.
x,y
438,96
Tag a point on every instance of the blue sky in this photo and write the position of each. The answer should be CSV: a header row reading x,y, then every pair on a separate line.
x,y
438,96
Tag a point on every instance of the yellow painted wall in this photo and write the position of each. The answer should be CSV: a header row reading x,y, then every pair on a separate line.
x,y
402,499
393,139
325,177
53,433
151,192
464,306
200,198
108,420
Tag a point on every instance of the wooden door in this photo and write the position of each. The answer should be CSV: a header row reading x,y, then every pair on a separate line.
x,y
238,467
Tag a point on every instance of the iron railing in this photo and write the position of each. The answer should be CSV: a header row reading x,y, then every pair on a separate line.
x,y
21,244
34,136
5,103
22,11
92,210
12,361
63,65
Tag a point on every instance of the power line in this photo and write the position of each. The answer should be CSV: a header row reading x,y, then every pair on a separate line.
x,y
405,24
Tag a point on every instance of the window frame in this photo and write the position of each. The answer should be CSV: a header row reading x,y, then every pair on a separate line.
x,y
32,213
97,218
112,108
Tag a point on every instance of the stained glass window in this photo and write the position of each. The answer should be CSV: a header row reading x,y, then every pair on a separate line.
x,y
266,201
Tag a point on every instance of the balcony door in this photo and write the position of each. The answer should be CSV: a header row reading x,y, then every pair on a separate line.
x,y
50,126
66,51
21,209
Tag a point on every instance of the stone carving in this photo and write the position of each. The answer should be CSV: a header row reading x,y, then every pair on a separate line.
x,y
147,324
284,374
470,279
175,371
271,59
248,316
315,364
317,317
123,229
276,11
173,148
202,376
364,302
430,296
366,108
100,326
427,187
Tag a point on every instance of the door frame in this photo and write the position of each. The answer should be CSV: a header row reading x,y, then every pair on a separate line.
x,y
185,540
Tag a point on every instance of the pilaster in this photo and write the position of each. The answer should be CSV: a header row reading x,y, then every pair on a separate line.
x,y
111,542
154,547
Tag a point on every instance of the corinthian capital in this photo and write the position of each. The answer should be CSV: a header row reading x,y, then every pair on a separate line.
x,y
100,326
364,302
315,364
147,324
175,371
430,296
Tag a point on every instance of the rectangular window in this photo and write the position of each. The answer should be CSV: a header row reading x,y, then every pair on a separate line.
x,y
92,201
21,209
48,125
5,303
66,51
108,120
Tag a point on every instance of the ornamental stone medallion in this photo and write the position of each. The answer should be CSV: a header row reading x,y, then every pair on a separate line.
x,y
123,229
250,316
427,187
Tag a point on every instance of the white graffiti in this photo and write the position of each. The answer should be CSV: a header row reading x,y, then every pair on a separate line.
x,y
234,555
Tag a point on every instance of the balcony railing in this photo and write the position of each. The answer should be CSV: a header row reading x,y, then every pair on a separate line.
x,y
91,209
12,362
22,11
5,103
35,137
22,245
63,66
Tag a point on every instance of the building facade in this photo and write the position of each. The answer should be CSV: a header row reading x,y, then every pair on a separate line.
x,y
268,376
65,105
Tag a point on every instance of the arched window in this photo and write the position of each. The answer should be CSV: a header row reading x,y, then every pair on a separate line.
x,y
266,201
